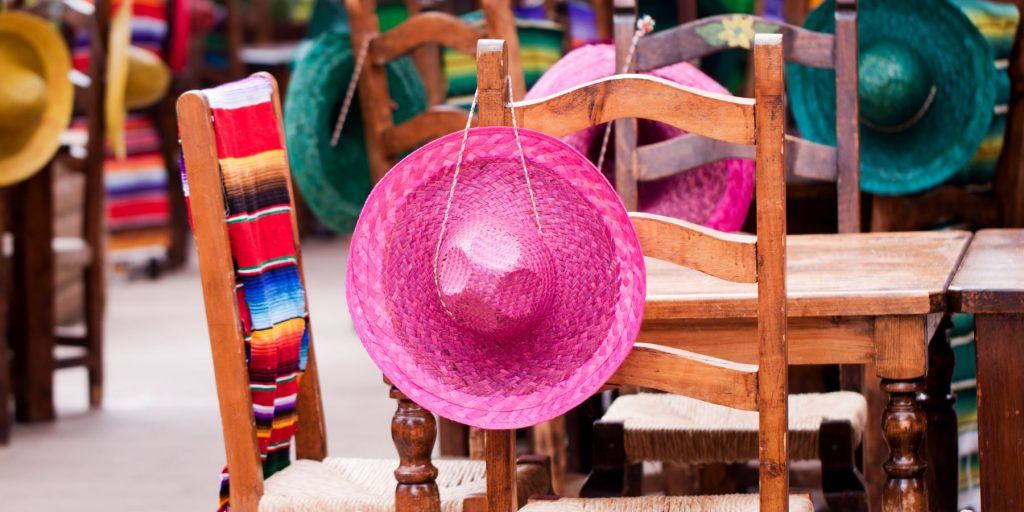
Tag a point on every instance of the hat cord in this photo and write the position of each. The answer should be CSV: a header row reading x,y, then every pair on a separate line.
x,y
350,92
644,25
455,181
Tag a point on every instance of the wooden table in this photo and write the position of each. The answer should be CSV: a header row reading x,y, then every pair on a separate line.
x,y
874,299
990,284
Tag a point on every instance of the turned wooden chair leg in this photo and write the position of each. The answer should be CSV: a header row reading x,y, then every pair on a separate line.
x,y
941,436
613,475
903,425
414,430
842,484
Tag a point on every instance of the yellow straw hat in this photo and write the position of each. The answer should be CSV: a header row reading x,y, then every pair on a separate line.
x,y
35,94
136,78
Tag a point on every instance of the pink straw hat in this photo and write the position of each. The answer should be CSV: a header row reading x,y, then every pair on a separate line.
x,y
502,298
716,195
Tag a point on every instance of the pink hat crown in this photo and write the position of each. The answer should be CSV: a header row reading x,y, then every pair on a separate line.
x,y
492,303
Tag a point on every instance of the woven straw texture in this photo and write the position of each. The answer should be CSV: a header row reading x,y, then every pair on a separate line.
x,y
362,485
483,356
943,141
723,503
335,180
685,430
716,195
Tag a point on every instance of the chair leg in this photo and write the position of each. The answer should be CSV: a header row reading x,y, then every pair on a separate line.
x,y
613,475
842,484
95,296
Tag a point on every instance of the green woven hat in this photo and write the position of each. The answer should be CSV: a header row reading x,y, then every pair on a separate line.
x,y
336,180
927,88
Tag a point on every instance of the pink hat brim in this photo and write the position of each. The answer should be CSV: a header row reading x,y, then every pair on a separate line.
x,y
453,372
716,195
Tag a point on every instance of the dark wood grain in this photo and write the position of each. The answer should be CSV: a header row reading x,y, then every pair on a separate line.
x,y
1000,357
1009,181
414,431
683,43
847,118
991,277
903,425
5,296
940,442
627,160
804,158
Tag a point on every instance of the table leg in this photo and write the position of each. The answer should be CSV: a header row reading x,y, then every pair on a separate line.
x,y
874,452
941,437
903,425
1000,357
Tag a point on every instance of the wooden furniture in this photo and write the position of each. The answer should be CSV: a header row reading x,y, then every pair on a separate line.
x,y
413,429
676,429
806,161
385,141
5,364
990,284
858,299
39,257
757,122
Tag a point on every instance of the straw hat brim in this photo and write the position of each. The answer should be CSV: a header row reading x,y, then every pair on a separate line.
x,y
335,180
716,195
942,142
466,377
55,63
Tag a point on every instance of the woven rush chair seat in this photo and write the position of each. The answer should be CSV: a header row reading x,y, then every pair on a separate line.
x,y
720,503
681,429
362,485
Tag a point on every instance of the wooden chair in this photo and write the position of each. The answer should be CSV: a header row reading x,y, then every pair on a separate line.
x,y
385,141
805,160
315,481
741,258
47,264
676,429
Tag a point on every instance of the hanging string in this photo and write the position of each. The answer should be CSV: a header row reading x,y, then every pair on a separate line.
x,y
346,104
644,25
455,181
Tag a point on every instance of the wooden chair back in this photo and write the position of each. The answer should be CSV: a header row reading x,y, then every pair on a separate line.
x,y
757,122
804,159
385,140
227,340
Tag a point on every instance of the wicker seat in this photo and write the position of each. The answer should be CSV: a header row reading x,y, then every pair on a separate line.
x,y
722,503
362,485
682,429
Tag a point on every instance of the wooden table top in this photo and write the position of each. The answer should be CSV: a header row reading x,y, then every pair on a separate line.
x,y
991,277
864,274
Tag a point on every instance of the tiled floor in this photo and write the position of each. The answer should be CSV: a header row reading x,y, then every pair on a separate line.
x,y
156,443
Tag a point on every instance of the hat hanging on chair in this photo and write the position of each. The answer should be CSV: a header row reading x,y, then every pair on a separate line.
x,y
35,94
335,179
504,298
926,89
136,78
716,195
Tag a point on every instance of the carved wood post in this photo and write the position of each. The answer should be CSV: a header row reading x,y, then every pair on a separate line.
x,y
414,430
903,425
941,437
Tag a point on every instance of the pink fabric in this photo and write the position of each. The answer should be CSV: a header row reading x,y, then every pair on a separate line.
x,y
716,195
516,325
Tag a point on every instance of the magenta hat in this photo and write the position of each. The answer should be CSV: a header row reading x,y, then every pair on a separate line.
x,y
527,302
716,195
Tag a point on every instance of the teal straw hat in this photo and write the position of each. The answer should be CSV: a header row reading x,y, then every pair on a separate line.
x,y
335,181
927,88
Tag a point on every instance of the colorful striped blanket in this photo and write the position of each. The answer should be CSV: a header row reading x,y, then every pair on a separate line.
x,y
271,297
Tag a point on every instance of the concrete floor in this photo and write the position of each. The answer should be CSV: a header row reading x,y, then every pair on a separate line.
x,y
156,443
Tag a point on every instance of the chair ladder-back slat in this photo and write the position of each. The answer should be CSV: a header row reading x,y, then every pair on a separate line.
x,y
728,256
419,31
